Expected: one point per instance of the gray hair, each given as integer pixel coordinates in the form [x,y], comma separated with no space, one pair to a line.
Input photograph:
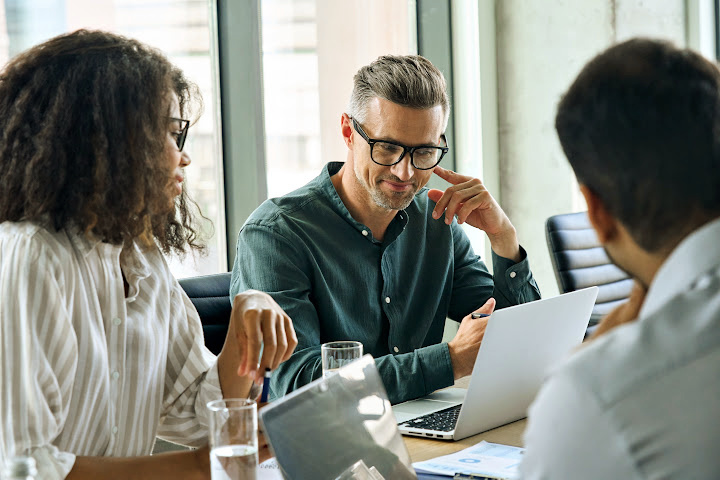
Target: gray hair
[409,80]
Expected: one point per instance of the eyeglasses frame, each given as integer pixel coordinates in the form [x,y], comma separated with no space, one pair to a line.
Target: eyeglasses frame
[180,142]
[406,149]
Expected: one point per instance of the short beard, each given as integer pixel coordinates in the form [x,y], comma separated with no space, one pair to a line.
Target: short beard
[396,200]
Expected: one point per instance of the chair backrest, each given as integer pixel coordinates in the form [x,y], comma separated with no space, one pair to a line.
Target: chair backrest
[211,296]
[579,261]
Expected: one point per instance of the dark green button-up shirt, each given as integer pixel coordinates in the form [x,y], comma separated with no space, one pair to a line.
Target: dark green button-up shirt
[337,282]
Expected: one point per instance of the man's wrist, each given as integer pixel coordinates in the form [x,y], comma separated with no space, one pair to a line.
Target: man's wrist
[506,245]
[456,359]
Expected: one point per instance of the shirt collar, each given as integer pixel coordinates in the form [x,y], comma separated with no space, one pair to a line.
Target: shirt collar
[132,260]
[83,242]
[134,263]
[696,254]
[328,189]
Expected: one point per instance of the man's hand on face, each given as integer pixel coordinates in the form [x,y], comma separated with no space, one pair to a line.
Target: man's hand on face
[464,347]
[469,200]
[625,313]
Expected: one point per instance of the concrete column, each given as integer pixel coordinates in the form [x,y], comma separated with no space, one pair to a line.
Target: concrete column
[658,19]
[541,46]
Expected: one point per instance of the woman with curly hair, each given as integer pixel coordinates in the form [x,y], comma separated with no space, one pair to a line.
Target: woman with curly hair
[100,349]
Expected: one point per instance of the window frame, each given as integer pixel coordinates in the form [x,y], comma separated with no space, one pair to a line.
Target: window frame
[243,125]
[241,98]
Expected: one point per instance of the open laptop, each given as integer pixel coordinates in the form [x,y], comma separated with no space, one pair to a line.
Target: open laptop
[520,344]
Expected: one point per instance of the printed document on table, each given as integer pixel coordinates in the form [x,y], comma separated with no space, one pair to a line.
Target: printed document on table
[269,470]
[485,458]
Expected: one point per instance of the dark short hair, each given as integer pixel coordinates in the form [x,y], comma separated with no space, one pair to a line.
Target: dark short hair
[641,128]
[83,128]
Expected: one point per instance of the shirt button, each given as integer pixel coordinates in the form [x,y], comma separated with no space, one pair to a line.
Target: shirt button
[513,274]
[387,299]
[114,430]
[703,282]
[115,375]
[116,321]
[365,232]
[396,349]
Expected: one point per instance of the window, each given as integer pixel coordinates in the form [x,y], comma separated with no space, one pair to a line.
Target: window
[314,46]
[185,31]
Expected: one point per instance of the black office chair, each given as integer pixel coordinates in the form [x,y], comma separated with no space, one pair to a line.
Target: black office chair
[579,261]
[211,296]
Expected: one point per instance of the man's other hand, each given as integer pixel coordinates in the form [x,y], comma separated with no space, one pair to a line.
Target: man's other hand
[464,347]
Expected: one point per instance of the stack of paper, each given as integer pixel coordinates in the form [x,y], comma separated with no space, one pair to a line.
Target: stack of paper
[489,459]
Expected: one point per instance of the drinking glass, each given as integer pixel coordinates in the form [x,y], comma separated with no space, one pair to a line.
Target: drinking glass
[233,439]
[338,354]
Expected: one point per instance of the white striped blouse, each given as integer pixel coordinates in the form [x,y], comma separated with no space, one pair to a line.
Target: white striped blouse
[85,370]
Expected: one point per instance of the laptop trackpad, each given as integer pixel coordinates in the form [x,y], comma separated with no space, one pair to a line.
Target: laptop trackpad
[431,403]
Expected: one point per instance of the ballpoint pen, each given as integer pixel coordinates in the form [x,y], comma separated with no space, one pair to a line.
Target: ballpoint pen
[266,386]
[479,315]
[475,476]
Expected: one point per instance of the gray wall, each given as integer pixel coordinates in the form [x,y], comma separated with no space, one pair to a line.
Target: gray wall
[541,46]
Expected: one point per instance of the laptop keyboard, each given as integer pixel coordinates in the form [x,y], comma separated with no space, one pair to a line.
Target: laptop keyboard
[441,421]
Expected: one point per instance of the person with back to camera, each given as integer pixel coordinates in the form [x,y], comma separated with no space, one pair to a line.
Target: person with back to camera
[100,349]
[640,126]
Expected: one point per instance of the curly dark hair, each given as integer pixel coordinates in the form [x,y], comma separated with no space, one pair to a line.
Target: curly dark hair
[83,128]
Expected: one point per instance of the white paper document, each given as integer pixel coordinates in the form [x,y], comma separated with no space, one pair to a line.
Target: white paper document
[492,459]
[269,470]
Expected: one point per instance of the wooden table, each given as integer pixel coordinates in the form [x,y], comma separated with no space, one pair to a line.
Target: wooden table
[426,448]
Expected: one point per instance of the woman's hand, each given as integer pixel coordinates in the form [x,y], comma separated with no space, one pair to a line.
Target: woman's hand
[257,323]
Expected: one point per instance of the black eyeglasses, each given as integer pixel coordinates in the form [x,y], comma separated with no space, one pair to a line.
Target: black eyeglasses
[182,134]
[387,153]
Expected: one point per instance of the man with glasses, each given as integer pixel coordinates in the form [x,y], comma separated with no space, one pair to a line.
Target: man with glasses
[364,252]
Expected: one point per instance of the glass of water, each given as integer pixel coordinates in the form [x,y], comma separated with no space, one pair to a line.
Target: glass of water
[338,354]
[233,439]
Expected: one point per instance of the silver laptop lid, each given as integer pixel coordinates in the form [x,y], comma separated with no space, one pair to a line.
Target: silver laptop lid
[520,346]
